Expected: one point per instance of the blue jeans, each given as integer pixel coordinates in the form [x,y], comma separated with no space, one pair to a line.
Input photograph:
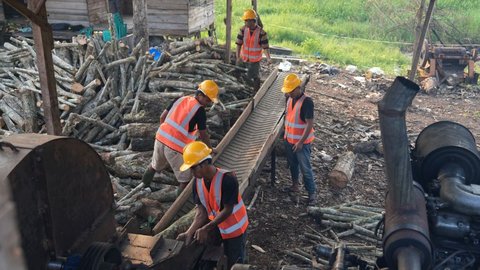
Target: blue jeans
[300,161]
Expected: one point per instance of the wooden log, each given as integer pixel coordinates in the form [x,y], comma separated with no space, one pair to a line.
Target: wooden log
[10,125]
[343,170]
[94,131]
[161,84]
[101,55]
[81,71]
[92,121]
[110,65]
[100,97]
[11,113]
[91,73]
[179,226]
[88,95]
[168,194]
[131,165]
[134,182]
[77,88]
[140,130]
[63,65]
[141,144]
[367,147]
[151,210]
[137,70]
[30,111]
[138,47]
[118,188]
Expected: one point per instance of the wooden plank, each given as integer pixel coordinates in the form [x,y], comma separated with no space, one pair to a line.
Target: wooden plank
[170,26]
[167,5]
[43,47]
[76,5]
[261,92]
[158,12]
[60,11]
[97,11]
[67,18]
[171,32]
[175,19]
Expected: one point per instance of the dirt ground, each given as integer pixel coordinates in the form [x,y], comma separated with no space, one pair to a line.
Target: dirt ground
[345,114]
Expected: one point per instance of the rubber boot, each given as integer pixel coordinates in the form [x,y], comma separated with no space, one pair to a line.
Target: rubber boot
[148,175]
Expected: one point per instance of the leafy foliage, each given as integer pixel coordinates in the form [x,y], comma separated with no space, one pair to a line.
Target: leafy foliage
[365,33]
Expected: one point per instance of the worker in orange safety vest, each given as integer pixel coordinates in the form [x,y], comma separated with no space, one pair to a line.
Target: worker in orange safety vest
[219,206]
[299,135]
[251,41]
[179,125]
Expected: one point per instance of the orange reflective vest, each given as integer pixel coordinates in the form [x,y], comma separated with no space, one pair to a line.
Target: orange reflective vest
[236,224]
[173,132]
[294,125]
[251,49]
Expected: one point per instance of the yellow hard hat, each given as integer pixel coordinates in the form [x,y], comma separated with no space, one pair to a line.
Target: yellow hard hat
[210,89]
[194,153]
[291,82]
[249,14]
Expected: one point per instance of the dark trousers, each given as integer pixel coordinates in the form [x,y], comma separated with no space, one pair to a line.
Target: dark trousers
[233,249]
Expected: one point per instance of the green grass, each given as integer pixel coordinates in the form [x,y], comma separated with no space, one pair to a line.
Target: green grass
[337,31]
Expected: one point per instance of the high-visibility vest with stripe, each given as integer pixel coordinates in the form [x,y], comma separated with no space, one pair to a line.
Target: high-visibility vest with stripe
[294,125]
[236,224]
[173,132]
[251,49]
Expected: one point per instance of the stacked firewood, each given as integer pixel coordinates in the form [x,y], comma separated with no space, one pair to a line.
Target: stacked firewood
[111,96]
[346,227]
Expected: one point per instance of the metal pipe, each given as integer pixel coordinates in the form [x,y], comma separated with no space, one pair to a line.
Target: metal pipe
[455,192]
[409,259]
[406,223]
[392,110]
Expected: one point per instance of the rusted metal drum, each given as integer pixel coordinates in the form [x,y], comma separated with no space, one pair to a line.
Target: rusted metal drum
[62,195]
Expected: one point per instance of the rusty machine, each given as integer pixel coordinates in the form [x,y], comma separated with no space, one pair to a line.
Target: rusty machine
[449,63]
[432,218]
[64,207]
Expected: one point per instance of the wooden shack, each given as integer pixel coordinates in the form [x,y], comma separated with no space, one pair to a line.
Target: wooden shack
[165,17]
[77,12]
[179,17]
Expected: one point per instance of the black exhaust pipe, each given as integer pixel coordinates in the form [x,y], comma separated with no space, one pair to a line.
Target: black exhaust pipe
[406,241]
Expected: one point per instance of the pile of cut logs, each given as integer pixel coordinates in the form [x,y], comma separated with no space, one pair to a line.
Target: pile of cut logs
[111,96]
[342,222]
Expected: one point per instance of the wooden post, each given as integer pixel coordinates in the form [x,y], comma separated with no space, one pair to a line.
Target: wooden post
[418,26]
[254,5]
[228,45]
[42,34]
[418,48]
[140,25]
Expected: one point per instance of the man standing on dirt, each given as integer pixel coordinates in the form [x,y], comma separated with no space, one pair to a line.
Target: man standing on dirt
[220,211]
[178,127]
[299,136]
[251,41]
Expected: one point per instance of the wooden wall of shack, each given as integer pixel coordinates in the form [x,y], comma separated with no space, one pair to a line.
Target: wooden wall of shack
[165,17]
[179,17]
[74,12]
